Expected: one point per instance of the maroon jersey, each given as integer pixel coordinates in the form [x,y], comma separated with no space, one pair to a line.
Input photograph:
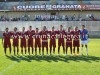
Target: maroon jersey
[15,36]
[30,34]
[52,35]
[30,37]
[69,36]
[37,36]
[37,39]
[61,34]
[23,39]
[76,35]
[6,36]
[53,39]
[44,35]
[23,35]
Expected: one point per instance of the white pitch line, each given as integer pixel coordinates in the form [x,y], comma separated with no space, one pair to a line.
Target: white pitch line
[9,67]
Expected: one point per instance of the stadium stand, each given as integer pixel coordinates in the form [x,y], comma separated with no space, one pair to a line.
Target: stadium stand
[8,11]
[43,11]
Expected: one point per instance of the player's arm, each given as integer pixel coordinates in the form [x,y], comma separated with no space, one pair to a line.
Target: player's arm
[57,32]
[80,37]
[48,32]
[19,34]
[2,40]
[40,34]
[87,33]
[88,36]
[26,35]
[33,36]
[72,34]
[65,33]
[11,33]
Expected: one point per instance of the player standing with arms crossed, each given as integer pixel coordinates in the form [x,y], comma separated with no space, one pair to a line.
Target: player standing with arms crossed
[37,41]
[23,40]
[84,38]
[61,35]
[76,40]
[30,34]
[52,40]
[69,36]
[6,40]
[44,36]
[15,36]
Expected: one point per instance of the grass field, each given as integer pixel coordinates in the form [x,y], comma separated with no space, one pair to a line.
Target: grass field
[52,65]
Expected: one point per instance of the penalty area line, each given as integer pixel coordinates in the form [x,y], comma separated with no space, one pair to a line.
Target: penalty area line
[9,67]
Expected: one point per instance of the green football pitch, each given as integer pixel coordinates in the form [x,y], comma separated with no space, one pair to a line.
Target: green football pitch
[52,65]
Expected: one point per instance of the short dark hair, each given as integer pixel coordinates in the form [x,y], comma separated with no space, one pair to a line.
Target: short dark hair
[30,26]
[15,28]
[53,27]
[45,26]
[61,25]
[37,28]
[69,27]
[24,27]
[7,28]
[76,27]
[83,25]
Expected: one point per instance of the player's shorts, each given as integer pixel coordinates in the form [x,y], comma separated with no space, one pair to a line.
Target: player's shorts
[76,43]
[52,43]
[30,43]
[7,44]
[84,42]
[23,43]
[45,44]
[15,43]
[60,42]
[37,44]
[69,44]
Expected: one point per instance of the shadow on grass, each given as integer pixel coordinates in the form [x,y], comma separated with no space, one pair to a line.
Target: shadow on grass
[54,58]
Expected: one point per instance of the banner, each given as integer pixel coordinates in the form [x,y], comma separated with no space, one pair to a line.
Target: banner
[55,7]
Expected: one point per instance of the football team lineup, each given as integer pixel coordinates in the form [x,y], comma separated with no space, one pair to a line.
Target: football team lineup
[32,40]
[49,37]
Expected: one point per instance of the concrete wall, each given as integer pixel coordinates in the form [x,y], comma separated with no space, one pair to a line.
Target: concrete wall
[92,26]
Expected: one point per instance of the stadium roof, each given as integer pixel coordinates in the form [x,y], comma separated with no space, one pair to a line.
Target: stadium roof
[20,0]
[41,0]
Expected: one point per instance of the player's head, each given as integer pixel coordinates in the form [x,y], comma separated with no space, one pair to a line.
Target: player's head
[15,29]
[7,29]
[30,27]
[23,29]
[53,28]
[69,28]
[61,27]
[44,27]
[83,26]
[37,29]
[76,28]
